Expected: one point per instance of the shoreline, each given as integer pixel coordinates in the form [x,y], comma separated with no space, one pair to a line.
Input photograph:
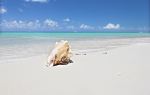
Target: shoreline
[29,48]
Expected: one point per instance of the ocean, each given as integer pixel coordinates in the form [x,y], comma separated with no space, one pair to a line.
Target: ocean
[26,44]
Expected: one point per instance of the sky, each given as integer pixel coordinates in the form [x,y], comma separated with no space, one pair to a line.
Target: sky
[75,15]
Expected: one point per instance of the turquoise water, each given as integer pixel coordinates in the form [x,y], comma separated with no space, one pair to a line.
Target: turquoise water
[12,38]
[73,35]
[21,45]
[9,38]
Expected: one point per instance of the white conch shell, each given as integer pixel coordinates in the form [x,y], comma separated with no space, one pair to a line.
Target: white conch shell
[61,54]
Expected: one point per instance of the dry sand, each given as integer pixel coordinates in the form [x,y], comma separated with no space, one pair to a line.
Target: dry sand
[122,71]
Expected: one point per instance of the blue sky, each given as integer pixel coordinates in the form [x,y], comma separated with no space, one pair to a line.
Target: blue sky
[75,15]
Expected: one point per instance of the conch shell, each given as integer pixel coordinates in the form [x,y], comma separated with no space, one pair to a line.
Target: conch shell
[61,54]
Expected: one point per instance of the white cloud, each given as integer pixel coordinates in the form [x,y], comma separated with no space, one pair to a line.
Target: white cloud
[20,24]
[84,26]
[40,1]
[67,20]
[2,10]
[112,26]
[10,24]
[29,25]
[50,23]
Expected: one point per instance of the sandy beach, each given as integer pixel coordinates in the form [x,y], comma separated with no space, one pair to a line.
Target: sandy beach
[120,71]
[74,47]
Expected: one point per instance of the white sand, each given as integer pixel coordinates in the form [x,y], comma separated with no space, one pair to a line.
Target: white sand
[122,71]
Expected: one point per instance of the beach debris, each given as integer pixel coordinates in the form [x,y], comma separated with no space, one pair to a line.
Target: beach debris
[84,54]
[61,54]
[80,54]
[105,52]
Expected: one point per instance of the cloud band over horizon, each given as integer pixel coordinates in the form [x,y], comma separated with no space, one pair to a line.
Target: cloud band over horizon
[52,25]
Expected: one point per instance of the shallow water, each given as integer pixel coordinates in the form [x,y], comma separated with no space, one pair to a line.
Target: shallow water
[21,45]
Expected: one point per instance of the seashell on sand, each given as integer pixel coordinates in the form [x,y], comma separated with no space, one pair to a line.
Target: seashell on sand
[61,54]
